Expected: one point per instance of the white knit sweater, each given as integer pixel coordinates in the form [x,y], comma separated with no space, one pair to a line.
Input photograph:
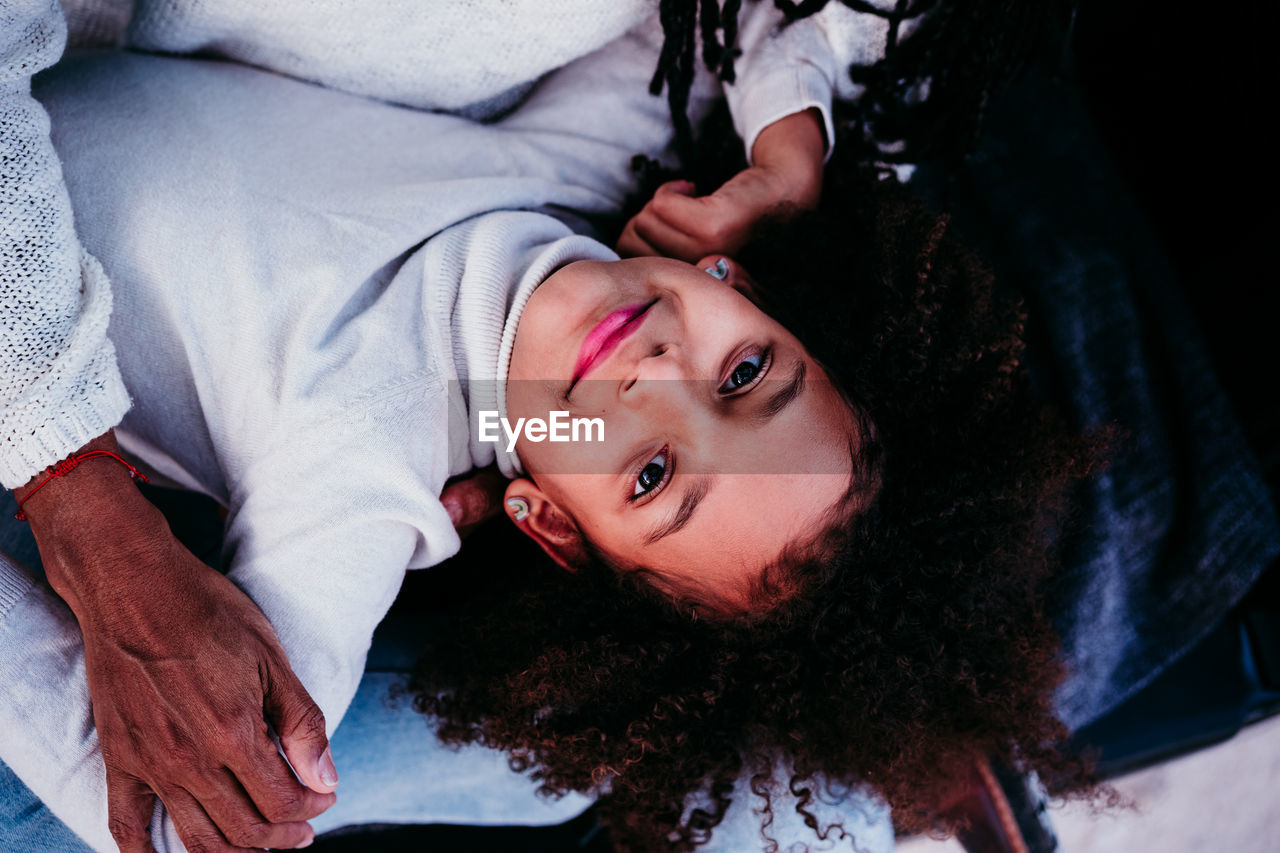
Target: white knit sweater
[306,282]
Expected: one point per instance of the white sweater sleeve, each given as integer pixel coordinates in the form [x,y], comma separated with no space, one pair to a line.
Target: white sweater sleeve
[787,69]
[59,384]
[323,527]
[324,576]
[781,71]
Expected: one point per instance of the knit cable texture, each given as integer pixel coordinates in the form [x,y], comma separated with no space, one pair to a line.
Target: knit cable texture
[59,384]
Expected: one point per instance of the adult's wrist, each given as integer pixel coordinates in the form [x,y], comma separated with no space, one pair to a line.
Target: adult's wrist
[92,525]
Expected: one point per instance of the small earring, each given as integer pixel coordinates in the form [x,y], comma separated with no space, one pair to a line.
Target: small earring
[519,508]
[720,270]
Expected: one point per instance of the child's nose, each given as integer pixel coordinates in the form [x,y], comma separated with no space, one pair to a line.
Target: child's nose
[662,371]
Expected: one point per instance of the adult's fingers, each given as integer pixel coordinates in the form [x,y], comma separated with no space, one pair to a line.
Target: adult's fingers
[300,724]
[194,827]
[271,785]
[241,823]
[130,805]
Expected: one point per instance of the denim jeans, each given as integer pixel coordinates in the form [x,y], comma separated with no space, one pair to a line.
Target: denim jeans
[27,826]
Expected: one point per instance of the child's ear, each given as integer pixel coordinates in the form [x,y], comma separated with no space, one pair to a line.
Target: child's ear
[732,273]
[541,520]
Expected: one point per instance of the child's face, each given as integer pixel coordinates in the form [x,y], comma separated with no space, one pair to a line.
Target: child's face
[724,441]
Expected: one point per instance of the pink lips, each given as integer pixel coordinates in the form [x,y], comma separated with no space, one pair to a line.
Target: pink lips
[607,335]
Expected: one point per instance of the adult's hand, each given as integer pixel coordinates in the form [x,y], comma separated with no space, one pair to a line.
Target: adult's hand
[185,674]
[474,498]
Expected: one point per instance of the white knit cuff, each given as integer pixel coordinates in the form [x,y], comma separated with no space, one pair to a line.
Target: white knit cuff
[100,403]
[63,414]
[758,103]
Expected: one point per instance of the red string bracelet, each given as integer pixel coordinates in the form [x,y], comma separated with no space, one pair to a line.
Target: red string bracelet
[66,466]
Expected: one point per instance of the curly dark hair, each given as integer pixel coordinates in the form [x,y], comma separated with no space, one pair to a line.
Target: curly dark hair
[912,644]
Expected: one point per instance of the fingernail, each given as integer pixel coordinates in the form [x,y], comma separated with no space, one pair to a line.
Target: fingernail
[328,773]
[306,843]
[455,512]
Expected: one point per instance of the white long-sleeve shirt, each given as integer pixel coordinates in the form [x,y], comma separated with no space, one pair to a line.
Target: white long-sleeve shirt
[58,382]
[263,259]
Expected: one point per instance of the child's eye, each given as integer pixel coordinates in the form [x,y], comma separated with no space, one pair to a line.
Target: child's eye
[652,476]
[745,372]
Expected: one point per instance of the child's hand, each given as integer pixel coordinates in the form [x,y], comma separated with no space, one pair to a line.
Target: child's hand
[474,498]
[788,157]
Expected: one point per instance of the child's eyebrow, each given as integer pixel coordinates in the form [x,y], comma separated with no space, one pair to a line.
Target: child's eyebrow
[678,519]
[784,396]
[781,398]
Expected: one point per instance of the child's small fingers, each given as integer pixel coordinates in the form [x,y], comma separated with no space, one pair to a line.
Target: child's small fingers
[710,228]
[679,210]
[680,187]
[669,241]
[631,245]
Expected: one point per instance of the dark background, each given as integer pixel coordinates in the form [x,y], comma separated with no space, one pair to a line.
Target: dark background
[1184,97]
